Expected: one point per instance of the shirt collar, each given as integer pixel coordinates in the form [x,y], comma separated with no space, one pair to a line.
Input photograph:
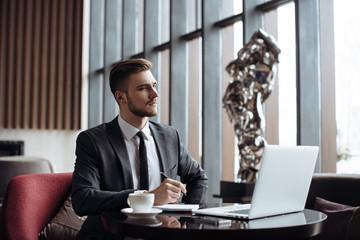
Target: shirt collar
[130,131]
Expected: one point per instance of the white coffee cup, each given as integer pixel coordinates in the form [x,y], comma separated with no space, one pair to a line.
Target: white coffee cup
[141,202]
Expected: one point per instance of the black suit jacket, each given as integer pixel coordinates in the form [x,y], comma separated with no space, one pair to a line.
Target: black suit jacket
[102,177]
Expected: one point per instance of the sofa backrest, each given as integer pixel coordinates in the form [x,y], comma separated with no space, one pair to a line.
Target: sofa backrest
[12,166]
[339,188]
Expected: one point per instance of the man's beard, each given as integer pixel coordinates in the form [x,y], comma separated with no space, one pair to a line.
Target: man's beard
[140,112]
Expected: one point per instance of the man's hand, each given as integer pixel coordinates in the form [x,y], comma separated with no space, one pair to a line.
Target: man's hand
[168,192]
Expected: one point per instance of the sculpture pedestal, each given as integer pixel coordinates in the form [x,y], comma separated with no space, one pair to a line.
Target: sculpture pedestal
[233,192]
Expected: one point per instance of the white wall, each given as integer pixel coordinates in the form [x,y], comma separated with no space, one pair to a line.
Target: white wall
[56,146]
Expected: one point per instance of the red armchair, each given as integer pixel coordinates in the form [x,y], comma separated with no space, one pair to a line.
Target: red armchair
[30,202]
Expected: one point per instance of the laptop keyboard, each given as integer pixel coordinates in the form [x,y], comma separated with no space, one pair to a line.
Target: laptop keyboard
[241,211]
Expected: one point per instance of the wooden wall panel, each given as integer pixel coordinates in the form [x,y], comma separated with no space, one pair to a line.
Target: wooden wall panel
[3,26]
[35,56]
[43,67]
[78,36]
[9,60]
[50,90]
[40,63]
[27,63]
[18,62]
[61,63]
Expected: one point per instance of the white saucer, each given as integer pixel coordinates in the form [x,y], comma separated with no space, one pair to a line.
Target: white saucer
[129,212]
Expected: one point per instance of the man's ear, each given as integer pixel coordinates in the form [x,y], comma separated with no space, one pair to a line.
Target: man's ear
[120,97]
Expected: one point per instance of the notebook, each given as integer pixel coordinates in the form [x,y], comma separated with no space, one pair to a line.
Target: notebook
[281,187]
[177,207]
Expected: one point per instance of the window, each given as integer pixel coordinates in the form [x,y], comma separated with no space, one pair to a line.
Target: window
[287,75]
[347,70]
[190,43]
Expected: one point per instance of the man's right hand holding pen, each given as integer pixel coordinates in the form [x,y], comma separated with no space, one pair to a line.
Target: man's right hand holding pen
[168,191]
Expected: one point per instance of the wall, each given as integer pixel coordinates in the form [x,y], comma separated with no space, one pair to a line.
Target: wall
[56,146]
[40,64]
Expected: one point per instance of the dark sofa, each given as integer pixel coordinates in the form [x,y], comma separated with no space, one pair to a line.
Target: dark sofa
[339,188]
[337,195]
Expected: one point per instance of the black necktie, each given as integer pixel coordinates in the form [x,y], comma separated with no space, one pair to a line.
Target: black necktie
[144,174]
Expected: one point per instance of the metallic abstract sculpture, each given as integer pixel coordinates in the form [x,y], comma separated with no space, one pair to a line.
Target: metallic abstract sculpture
[253,74]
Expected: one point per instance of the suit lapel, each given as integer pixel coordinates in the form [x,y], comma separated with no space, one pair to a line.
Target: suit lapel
[159,139]
[117,141]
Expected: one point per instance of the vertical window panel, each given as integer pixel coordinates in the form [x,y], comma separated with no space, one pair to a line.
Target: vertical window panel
[112,38]
[272,103]
[192,26]
[130,28]
[194,15]
[178,68]
[287,75]
[228,142]
[195,103]
[347,70]
[327,89]
[212,95]
[165,87]
[231,7]
[164,21]
[232,42]
[140,28]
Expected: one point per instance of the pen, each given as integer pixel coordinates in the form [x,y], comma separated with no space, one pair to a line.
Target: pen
[165,177]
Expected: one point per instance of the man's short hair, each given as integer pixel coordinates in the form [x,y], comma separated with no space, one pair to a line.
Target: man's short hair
[120,73]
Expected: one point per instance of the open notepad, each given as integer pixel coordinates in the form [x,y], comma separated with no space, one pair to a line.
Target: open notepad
[172,207]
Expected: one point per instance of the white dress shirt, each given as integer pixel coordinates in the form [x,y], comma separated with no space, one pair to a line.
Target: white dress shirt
[132,145]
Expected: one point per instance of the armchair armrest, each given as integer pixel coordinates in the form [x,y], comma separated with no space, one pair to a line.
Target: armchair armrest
[31,201]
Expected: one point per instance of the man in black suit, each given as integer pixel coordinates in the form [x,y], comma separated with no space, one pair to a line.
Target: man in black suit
[107,164]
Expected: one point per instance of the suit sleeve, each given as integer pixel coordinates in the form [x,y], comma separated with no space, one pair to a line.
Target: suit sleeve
[87,196]
[192,175]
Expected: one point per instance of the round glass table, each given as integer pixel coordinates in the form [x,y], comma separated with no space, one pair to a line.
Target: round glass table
[176,225]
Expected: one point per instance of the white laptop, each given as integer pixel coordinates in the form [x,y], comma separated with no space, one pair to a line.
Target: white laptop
[281,187]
